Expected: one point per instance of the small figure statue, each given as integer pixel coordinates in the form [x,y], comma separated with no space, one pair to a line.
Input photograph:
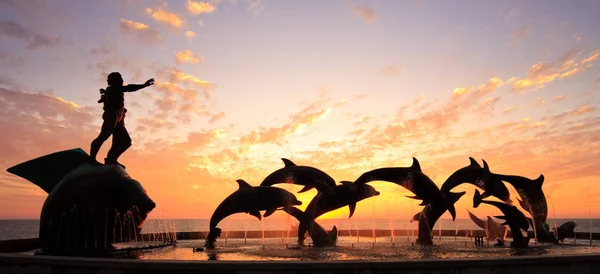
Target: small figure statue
[114,118]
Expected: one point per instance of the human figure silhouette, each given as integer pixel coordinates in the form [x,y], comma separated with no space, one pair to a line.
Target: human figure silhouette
[114,118]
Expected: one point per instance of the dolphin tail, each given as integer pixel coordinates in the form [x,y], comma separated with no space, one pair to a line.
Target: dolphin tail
[48,170]
[352,208]
[333,235]
[477,199]
[306,188]
[450,199]
[477,221]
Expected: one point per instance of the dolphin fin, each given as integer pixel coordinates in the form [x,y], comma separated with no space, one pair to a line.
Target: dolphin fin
[287,162]
[485,165]
[450,199]
[333,235]
[473,162]
[48,170]
[352,207]
[269,212]
[256,214]
[243,184]
[415,165]
[539,181]
[416,217]
[414,197]
[306,188]
[477,199]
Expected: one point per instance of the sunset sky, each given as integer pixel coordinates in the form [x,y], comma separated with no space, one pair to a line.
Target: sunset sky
[344,86]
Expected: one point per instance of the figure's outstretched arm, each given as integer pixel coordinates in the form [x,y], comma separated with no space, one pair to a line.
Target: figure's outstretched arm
[136,87]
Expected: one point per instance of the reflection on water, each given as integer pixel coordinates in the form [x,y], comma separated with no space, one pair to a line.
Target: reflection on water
[349,249]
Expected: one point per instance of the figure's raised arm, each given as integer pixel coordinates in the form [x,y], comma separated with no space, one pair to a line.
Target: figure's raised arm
[136,87]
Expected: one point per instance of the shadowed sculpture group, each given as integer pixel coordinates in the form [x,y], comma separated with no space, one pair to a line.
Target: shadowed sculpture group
[436,201]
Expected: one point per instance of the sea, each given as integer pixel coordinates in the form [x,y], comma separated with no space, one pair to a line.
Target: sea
[24,229]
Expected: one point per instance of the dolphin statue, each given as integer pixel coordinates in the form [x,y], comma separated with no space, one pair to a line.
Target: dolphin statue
[532,197]
[515,219]
[344,194]
[251,200]
[564,230]
[413,179]
[473,174]
[480,177]
[494,230]
[85,200]
[320,237]
[429,216]
[307,176]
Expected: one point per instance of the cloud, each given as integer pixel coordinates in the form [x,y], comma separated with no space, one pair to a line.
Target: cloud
[392,70]
[13,30]
[508,110]
[40,41]
[142,31]
[190,34]
[216,117]
[365,12]
[544,73]
[519,33]
[310,114]
[10,60]
[255,6]
[166,17]
[35,40]
[187,56]
[199,7]
[539,101]
[177,76]
[558,98]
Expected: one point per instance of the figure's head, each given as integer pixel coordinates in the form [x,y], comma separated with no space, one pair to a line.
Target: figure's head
[114,79]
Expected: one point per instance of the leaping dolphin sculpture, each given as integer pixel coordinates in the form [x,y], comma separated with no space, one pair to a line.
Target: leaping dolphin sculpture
[532,200]
[251,200]
[413,179]
[307,176]
[345,194]
[320,237]
[429,216]
[480,177]
[493,229]
[515,219]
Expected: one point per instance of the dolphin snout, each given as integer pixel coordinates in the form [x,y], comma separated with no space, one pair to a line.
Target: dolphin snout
[297,203]
[376,193]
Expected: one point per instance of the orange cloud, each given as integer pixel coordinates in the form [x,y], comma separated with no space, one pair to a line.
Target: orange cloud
[511,109]
[187,56]
[190,34]
[216,117]
[365,12]
[140,30]
[199,7]
[166,17]
[543,73]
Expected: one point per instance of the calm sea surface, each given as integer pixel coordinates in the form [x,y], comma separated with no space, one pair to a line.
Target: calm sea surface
[20,229]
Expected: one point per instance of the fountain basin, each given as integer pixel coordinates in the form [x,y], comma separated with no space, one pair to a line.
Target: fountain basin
[582,263]
[360,254]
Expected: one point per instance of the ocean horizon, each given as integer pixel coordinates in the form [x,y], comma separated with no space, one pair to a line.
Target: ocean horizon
[29,228]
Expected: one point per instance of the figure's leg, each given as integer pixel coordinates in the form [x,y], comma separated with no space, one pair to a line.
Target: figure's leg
[108,126]
[121,142]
